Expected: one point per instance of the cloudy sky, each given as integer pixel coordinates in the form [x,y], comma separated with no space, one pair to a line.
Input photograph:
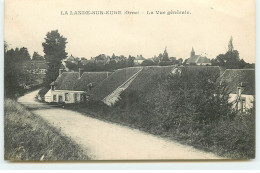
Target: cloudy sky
[208,28]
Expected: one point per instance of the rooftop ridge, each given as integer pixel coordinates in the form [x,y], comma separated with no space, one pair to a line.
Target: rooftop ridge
[242,69]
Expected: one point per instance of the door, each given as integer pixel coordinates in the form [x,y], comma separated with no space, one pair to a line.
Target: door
[60,99]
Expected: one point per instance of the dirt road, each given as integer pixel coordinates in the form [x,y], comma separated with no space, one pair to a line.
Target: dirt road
[107,141]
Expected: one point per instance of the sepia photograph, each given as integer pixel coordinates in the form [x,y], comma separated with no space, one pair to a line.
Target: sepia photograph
[139,80]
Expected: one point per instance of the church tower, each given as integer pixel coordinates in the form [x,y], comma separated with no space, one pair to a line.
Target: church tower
[192,53]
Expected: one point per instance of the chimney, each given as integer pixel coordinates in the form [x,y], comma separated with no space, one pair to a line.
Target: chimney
[60,71]
[80,72]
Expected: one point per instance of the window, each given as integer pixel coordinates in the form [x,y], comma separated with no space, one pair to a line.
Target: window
[66,96]
[82,97]
[54,98]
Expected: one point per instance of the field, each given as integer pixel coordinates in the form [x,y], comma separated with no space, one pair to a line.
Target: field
[28,137]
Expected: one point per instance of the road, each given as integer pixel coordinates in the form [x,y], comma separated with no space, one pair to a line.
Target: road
[108,141]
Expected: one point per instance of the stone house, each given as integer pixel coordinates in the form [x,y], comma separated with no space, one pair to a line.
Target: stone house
[71,87]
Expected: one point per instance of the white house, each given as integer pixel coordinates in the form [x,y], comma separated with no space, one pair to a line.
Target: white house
[71,87]
[240,84]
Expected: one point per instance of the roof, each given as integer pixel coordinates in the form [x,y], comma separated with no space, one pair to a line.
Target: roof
[71,80]
[111,83]
[198,59]
[234,77]
[71,58]
[149,76]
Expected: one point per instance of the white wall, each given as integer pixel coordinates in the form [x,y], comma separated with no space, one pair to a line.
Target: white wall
[71,98]
[249,99]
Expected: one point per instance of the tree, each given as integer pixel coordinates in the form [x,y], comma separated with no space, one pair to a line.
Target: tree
[54,49]
[37,57]
[147,62]
[180,60]
[12,72]
[24,54]
[230,59]
[165,56]
[230,45]
[130,61]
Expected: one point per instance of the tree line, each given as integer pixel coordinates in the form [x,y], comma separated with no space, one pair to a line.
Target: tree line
[54,48]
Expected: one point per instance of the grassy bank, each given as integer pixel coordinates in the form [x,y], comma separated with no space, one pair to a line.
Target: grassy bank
[28,137]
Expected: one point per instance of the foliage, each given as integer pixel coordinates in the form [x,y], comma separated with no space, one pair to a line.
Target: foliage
[230,59]
[165,56]
[54,49]
[14,75]
[166,63]
[29,137]
[72,66]
[147,62]
[37,57]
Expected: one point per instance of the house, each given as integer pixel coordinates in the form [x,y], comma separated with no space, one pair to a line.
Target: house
[72,59]
[139,59]
[240,84]
[71,87]
[198,59]
[35,66]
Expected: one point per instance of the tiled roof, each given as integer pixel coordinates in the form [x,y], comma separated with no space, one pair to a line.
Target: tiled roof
[234,77]
[71,80]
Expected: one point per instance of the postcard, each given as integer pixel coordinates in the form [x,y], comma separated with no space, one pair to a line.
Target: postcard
[129,80]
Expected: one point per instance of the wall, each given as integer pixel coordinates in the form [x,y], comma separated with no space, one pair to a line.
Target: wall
[249,100]
[70,95]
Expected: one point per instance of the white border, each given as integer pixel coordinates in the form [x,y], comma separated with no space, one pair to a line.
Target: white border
[227,165]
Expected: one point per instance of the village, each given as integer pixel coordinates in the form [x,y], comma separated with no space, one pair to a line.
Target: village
[185,99]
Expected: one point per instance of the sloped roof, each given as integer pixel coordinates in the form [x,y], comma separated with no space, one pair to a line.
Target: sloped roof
[198,59]
[203,59]
[111,83]
[148,75]
[71,80]
[233,78]
[193,59]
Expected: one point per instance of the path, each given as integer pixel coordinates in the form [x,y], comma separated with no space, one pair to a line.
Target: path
[108,141]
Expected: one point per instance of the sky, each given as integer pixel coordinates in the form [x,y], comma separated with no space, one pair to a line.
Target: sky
[208,28]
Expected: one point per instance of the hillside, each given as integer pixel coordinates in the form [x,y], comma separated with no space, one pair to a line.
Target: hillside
[29,137]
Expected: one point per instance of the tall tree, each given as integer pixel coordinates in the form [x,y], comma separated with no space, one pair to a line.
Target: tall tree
[54,49]
[130,61]
[36,56]
[12,70]
[24,54]
[230,59]
[165,56]
[230,45]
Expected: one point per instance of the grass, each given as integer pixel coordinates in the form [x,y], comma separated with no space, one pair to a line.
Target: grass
[27,137]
